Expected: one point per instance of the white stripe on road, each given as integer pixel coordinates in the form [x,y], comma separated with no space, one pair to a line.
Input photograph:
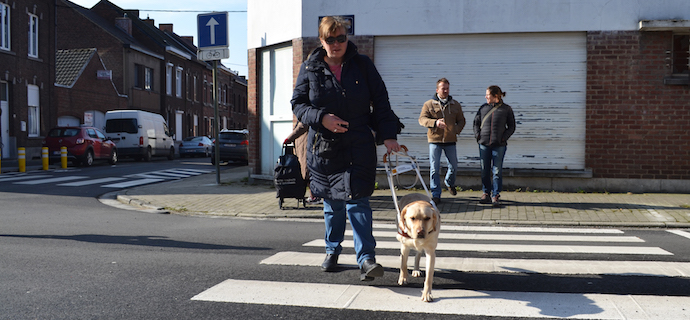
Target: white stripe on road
[90,182]
[189,171]
[680,233]
[51,180]
[449,301]
[516,237]
[513,229]
[515,248]
[24,177]
[588,267]
[132,183]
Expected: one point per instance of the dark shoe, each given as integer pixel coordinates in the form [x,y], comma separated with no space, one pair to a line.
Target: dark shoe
[485,199]
[495,202]
[436,200]
[452,190]
[330,263]
[370,270]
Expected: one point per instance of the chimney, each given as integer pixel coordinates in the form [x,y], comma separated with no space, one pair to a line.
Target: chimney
[188,39]
[149,21]
[166,27]
[124,23]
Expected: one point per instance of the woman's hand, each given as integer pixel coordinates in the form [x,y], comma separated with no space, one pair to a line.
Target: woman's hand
[391,145]
[333,123]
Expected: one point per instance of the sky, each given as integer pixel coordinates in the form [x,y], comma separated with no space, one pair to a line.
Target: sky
[183,13]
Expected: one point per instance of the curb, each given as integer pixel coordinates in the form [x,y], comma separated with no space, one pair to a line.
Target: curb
[138,203]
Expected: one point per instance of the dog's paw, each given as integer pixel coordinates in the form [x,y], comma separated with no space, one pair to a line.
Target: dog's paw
[402,280]
[426,297]
[416,273]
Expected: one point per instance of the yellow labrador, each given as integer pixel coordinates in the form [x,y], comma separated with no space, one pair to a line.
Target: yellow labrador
[418,226]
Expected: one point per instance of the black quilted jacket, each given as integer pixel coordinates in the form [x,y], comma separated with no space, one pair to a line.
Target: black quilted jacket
[343,166]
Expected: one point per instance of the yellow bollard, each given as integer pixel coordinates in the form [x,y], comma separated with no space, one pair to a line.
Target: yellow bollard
[44,157]
[63,157]
[21,158]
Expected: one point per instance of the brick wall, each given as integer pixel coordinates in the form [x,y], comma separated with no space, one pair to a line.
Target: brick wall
[637,127]
[253,116]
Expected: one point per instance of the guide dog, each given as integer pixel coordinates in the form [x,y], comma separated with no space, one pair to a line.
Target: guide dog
[419,223]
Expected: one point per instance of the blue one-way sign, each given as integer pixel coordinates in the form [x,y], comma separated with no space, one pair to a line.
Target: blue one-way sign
[212,29]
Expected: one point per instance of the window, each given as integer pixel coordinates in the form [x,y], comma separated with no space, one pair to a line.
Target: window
[149,79]
[143,77]
[681,53]
[178,82]
[121,125]
[168,79]
[34,123]
[4,26]
[33,36]
[194,90]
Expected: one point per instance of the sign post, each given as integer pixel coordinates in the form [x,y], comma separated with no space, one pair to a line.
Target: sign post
[212,31]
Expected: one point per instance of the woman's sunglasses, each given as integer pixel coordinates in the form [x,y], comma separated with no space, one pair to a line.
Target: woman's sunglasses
[341,39]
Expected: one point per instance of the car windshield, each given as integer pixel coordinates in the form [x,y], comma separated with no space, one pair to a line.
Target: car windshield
[194,139]
[232,136]
[121,125]
[64,132]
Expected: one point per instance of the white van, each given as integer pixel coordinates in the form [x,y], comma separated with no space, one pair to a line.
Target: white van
[139,134]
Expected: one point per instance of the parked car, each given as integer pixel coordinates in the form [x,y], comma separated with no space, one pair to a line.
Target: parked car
[195,146]
[139,134]
[84,145]
[233,145]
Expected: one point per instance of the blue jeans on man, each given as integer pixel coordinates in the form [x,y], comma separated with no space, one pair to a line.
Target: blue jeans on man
[359,212]
[451,153]
[491,159]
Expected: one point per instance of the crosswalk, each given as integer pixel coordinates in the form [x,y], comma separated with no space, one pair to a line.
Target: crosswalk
[611,253]
[63,179]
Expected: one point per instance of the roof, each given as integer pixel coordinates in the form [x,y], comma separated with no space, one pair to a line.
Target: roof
[69,65]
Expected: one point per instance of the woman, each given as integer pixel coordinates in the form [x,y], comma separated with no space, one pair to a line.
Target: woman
[337,93]
[493,126]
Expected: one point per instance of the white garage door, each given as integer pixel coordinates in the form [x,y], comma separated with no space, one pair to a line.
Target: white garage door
[543,74]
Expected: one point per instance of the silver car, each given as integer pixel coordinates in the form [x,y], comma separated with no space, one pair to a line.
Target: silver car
[195,146]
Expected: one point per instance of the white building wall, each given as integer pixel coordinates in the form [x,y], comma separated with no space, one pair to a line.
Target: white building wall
[275,21]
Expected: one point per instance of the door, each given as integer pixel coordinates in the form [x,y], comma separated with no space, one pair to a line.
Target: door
[4,121]
[276,110]
[178,126]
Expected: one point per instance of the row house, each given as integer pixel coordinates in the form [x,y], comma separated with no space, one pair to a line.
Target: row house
[27,74]
[152,68]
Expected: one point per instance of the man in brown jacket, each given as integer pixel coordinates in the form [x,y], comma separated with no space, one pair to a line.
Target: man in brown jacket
[445,120]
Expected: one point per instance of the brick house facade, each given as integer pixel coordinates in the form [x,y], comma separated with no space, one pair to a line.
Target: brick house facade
[79,90]
[27,75]
[636,124]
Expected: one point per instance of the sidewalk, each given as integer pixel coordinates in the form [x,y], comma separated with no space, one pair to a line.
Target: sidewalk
[236,196]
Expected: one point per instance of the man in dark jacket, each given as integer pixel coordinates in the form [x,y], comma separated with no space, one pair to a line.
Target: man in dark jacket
[337,94]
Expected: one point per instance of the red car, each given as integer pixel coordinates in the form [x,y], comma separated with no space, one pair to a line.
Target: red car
[84,145]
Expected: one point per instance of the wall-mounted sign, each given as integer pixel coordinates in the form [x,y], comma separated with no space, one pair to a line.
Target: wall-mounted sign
[104,74]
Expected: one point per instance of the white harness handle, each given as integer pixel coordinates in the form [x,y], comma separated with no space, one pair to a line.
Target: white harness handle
[399,169]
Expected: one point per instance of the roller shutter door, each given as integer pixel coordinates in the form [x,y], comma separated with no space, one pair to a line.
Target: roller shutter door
[543,74]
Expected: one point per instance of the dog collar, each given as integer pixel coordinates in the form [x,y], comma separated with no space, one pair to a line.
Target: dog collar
[404,234]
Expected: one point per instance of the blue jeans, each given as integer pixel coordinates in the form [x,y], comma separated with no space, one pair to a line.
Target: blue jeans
[491,159]
[360,215]
[435,167]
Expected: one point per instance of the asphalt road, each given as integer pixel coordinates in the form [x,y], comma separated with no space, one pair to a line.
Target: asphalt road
[66,255]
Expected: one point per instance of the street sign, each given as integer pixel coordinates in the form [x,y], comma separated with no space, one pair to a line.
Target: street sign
[213,54]
[212,30]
